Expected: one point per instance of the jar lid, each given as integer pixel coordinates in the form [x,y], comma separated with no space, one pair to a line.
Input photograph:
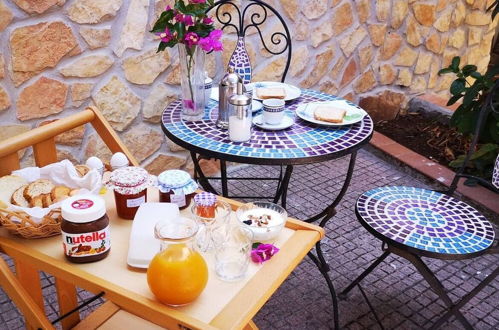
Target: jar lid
[178,181]
[129,180]
[205,199]
[83,208]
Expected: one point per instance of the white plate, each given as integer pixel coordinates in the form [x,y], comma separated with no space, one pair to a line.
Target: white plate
[255,105]
[292,92]
[143,246]
[286,122]
[353,114]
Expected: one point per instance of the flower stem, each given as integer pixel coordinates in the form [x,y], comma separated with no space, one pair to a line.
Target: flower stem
[189,66]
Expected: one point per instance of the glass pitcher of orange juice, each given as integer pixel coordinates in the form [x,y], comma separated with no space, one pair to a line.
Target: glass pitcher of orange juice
[177,274]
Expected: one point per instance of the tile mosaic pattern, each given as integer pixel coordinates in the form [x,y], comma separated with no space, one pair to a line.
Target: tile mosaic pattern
[495,175]
[300,141]
[426,220]
[240,61]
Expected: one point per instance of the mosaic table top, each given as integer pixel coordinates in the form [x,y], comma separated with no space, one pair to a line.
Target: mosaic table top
[425,220]
[301,143]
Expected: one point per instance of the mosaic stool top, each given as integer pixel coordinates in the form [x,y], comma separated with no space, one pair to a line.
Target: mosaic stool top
[302,143]
[428,222]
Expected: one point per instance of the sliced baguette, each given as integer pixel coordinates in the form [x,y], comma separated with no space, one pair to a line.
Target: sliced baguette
[8,185]
[271,92]
[18,197]
[46,200]
[82,169]
[37,188]
[59,191]
[329,114]
[36,201]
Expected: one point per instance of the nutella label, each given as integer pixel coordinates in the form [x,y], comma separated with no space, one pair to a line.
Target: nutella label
[87,244]
[82,204]
[135,202]
[178,199]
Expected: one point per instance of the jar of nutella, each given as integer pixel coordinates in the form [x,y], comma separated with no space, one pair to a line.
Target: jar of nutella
[85,229]
[130,189]
[177,187]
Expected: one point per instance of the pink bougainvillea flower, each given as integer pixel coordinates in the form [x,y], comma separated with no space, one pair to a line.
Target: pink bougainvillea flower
[212,41]
[207,20]
[197,1]
[188,20]
[179,17]
[191,39]
[168,8]
[165,36]
[263,253]
[189,104]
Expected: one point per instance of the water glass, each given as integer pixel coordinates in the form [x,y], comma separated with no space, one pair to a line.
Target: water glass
[232,253]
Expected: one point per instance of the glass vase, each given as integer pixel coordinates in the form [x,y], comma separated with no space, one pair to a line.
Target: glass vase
[192,81]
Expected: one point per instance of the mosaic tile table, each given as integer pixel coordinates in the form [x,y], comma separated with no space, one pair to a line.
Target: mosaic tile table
[302,143]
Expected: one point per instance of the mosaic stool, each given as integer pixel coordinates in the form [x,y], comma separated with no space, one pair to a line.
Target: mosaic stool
[414,222]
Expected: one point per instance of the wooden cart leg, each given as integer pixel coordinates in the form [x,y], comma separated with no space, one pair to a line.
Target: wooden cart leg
[30,281]
[66,296]
[250,326]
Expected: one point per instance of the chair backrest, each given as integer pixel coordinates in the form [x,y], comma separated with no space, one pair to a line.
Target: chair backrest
[485,110]
[254,14]
[43,143]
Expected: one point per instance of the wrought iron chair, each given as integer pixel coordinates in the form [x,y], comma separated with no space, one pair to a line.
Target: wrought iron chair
[253,15]
[413,222]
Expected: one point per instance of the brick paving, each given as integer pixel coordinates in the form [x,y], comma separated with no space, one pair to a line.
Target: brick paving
[400,296]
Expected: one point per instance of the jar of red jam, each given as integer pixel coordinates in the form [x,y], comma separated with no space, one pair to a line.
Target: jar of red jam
[206,204]
[130,189]
[177,187]
[85,229]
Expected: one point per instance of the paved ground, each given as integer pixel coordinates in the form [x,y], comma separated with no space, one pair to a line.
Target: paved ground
[398,293]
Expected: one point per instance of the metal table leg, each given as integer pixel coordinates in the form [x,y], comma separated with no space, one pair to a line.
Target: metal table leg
[223,172]
[282,192]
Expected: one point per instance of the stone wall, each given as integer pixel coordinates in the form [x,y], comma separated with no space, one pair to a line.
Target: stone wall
[58,56]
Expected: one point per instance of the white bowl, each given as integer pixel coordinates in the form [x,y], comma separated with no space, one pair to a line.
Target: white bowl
[278,216]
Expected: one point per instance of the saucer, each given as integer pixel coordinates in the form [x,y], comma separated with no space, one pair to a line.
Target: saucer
[286,122]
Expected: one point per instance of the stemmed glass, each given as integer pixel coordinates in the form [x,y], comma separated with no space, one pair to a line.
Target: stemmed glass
[208,225]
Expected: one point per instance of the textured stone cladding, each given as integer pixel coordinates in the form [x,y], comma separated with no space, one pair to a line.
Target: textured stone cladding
[58,56]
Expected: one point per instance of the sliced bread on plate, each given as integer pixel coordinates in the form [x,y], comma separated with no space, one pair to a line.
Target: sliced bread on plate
[329,114]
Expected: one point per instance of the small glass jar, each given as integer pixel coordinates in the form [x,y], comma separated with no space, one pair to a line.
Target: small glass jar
[212,218]
[178,273]
[85,229]
[177,187]
[130,189]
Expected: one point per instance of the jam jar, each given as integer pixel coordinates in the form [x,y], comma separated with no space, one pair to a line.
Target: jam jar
[177,187]
[85,229]
[130,189]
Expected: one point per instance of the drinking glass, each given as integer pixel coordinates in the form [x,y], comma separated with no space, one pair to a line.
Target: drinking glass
[232,253]
[208,225]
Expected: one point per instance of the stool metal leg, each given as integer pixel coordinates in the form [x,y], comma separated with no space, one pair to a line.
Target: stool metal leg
[434,283]
[366,272]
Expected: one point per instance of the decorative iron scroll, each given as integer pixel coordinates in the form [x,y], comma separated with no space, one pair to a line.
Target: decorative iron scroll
[258,13]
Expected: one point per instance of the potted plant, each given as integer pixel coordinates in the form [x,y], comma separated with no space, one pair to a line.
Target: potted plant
[188,26]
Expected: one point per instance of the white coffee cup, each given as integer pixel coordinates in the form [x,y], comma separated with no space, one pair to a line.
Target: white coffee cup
[273,111]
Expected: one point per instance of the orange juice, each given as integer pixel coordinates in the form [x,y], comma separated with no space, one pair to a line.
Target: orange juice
[177,275]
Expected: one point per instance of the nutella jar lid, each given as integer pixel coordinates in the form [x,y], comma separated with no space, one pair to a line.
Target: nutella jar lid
[178,181]
[129,180]
[83,208]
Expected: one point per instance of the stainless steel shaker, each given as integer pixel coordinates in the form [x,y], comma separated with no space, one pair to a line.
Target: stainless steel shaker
[227,87]
[240,116]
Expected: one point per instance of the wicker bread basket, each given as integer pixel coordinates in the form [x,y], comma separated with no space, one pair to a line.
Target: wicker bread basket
[21,224]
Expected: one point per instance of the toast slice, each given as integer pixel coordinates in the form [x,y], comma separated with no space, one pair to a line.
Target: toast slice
[18,197]
[8,185]
[329,114]
[271,93]
[59,191]
[37,188]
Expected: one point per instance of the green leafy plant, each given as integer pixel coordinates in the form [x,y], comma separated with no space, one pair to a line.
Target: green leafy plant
[473,87]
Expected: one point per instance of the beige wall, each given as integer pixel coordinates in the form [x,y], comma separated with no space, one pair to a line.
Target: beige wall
[58,56]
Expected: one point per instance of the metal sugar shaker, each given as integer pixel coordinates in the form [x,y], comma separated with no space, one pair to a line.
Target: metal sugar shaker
[227,87]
